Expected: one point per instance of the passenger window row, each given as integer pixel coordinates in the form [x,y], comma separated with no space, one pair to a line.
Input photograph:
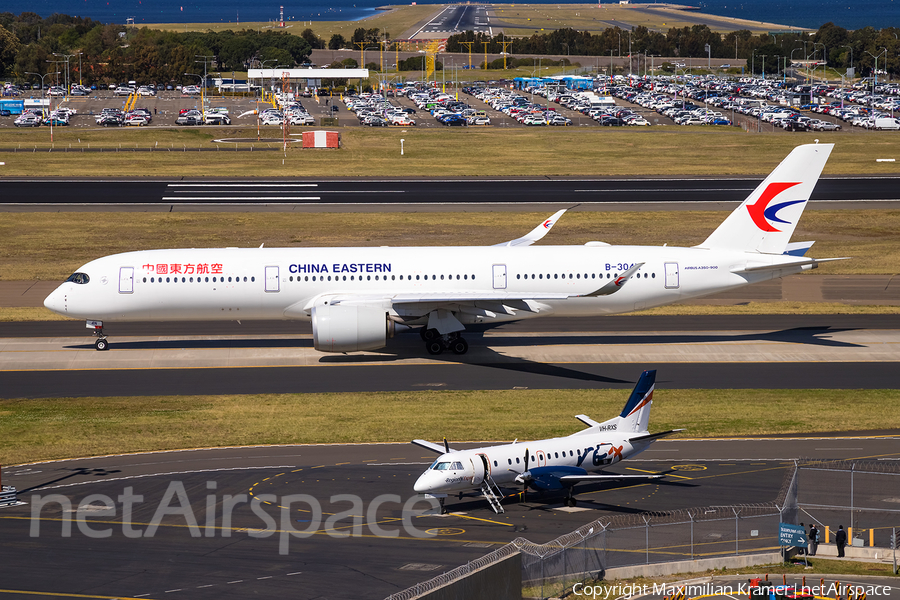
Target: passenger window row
[578,276]
[518,460]
[200,280]
[383,277]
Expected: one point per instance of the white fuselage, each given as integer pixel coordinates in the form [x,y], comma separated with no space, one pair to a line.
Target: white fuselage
[285,283]
[466,469]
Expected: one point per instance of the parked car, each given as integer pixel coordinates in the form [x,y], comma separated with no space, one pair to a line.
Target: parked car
[217,119]
[189,119]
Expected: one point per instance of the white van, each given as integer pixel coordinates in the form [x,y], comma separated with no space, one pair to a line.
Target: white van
[887,123]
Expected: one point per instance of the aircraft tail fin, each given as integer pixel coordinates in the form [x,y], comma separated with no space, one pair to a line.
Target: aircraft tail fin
[765,221]
[635,417]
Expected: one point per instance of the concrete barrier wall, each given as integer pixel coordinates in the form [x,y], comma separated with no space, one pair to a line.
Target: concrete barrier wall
[692,566]
[499,581]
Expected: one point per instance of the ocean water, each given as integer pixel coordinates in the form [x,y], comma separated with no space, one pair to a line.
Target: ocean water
[853,14]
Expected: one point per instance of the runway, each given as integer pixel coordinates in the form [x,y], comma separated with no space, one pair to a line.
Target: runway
[188,554]
[597,194]
[790,352]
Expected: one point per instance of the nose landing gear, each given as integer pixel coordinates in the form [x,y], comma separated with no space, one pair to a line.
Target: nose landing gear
[101,342]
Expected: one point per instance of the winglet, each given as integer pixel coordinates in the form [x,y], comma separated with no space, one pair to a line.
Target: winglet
[616,284]
[537,233]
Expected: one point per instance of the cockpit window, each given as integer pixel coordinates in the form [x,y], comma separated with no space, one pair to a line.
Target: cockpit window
[447,466]
[79,278]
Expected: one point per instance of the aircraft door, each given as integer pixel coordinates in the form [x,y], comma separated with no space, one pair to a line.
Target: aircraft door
[479,468]
[272,281]
[126,280]
[499,277]
[672,281]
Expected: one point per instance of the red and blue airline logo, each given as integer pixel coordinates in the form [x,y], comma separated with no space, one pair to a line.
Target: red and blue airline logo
[763,214]
[548,223]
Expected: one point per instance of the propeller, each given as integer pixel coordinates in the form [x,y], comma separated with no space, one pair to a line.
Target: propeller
[523,478]
[446,446]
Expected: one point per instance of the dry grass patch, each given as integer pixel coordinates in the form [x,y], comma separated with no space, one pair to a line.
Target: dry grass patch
[447,152]
[46,249]
[38,429]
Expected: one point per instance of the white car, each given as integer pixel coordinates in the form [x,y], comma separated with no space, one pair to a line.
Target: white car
[145,91]
[272,119]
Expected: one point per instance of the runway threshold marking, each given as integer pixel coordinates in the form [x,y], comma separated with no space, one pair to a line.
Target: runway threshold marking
[65,595]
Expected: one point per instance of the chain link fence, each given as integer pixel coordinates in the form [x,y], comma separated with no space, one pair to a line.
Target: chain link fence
[829,493]
[863,496]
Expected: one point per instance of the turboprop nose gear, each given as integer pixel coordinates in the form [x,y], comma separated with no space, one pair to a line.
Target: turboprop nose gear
[97,326]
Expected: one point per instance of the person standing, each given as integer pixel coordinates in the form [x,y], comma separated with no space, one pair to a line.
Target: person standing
[840,540]
[813,539]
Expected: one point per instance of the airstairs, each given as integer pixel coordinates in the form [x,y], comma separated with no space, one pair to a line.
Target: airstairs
[492,494]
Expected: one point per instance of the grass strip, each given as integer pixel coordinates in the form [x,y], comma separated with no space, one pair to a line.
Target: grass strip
[45,249]
[51,428]
[494,151]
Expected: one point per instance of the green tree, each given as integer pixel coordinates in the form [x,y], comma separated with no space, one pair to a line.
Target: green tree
[336,42]
[9,48]
[312,39]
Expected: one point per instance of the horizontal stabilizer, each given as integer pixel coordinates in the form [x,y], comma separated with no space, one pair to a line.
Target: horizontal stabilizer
[438,448]
[587,420]
[798,248]
[654,436]
[537,233]
[812,263]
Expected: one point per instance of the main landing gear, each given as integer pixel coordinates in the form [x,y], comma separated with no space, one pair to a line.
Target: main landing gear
[435,343]
[570,499]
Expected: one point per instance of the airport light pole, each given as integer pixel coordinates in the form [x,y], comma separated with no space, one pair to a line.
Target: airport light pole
[42,97]
[875,72]
[66,57]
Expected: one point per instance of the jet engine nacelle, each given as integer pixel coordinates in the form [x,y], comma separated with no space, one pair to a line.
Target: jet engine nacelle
[349,328]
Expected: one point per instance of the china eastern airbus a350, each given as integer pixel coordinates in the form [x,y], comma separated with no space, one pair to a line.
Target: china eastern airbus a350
[553,464]
[357,298]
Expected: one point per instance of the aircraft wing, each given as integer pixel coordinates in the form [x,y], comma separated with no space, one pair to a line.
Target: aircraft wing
[537,233]
[433,447]
[572,479]
[616,284]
